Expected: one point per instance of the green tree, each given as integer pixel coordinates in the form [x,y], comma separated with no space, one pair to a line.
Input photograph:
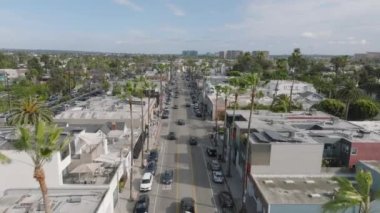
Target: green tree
[40,142]
[227,91]
[238,85]
[116,89]
[30,112]
[363,109]
[162,69]
[219,89]
[349,196]
[140,93]
[339,63]
[245,63]
[349,93]
[331,106]
[149,88]
[281,103]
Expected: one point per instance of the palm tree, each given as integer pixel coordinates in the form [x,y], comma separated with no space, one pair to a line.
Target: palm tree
[251,80]
[4,159]
[227,91]
[40,142]
[30,112]
[149,86]
[281,103]
[162,68]
[349,93]
[238,86]
[349,196]
[139,92]
[129,91]
[218,89]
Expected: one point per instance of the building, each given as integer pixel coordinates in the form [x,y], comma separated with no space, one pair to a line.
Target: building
[65,200]
[264,53]
[222,54]
[190,53]
[368,56]
[278,87]
[233,54]
[11,74]
[308,99]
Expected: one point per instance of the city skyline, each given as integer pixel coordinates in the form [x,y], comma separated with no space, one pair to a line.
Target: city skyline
[167,26]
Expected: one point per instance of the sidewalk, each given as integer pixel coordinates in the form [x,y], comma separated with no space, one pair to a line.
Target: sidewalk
[235,187]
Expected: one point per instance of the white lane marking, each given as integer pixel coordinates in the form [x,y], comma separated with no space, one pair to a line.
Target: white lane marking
[162,153]
[209,181]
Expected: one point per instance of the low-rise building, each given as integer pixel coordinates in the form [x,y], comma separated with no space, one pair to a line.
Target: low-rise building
[278,87]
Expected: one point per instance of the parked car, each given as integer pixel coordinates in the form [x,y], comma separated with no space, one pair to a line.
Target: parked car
[167,177]
[151,167]
[153,155]
[142,204]
[146,182]
[198,114]
[181,122]
[225,199]
[187,205]
[187,105]
[217,177]
[193,141]
[172,136]
[165,115]
[211,152]
[175,107]
[215,166]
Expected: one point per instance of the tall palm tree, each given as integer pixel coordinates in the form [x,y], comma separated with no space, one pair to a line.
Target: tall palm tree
[238,86]
[349,196]
[349,93]
[218,89]
[149,86]
[40,142]
[129,92]
[227,91]
[162,68]
[30,112]
[251,80]
[139,92]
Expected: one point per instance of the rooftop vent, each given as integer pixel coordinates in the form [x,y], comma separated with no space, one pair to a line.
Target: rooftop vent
[309,181]
[315,195]
[268,181]
[332,182]
[76,199]
[289,181]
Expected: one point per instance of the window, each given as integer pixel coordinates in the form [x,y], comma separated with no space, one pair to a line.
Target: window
[354,151]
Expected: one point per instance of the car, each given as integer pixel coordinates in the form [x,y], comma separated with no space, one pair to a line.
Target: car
[167,177]
[175,107]
[211,152]
[198,114]
[187,205]
[146,182]
[153,155]
[187,105]
[196,106]
[225,199]
[215,166]
[217,177]
[181,122]
[151,167]
[193,141]
[165,115]
[172,136]
[142,204]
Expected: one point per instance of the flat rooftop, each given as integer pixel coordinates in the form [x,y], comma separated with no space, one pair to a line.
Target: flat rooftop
[296,190]
[63,200]
[373,164]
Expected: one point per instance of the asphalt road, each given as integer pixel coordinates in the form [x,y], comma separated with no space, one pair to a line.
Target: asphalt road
[191,177]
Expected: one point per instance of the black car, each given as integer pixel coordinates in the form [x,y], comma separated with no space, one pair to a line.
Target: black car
[167,177]
[193,141]
[153,156]
[165,115]
[225,199]
[151,167]
[175,107]
[181,122]
[187,105]
[211,152]
[142,204]
[187,205]
[198,113]
[171,136]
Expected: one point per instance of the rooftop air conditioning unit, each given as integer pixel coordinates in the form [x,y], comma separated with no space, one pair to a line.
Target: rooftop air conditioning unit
[332,182]
[76,199]
[268,181]
[289,181]
[309,181]
[315,195]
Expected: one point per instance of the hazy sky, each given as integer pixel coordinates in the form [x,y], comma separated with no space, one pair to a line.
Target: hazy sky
[170,26]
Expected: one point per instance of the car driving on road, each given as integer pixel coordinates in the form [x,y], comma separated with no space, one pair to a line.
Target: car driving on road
[217,177]
[172,136]
[167,177]
[211,152]
[193,141]
[187,205]
[142,204]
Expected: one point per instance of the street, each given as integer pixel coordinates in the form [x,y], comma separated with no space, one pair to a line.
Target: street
[191,177]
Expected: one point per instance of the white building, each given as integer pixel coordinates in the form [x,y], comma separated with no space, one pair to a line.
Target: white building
[284,87]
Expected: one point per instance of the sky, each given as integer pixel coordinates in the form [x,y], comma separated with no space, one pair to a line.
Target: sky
[170,26]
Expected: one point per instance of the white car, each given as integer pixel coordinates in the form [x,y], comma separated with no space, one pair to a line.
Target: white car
[146,182]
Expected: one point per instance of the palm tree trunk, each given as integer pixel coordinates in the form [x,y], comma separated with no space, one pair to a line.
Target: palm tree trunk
[39,175]
[147,148]
[131,151]
[291,94]
[225,139]
[161,91]
[247,157]
[216,119]
[347,109]
[142,133]
[230,138]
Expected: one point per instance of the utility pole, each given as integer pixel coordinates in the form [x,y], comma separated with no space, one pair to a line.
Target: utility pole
[8,91]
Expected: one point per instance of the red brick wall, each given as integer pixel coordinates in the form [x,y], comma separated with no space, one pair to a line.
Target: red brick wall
[365,151]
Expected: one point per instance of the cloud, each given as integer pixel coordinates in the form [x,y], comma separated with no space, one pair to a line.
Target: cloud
[175,10]
[315,35]
[130,4]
